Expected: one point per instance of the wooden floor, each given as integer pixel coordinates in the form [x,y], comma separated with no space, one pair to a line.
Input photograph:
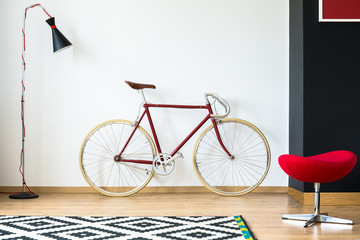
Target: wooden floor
[262,211]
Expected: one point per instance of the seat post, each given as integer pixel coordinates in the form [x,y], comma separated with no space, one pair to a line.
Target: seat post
[317,199]
[142,95]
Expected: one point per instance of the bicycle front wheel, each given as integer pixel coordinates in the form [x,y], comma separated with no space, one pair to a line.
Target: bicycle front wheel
[111,176]
[239,173]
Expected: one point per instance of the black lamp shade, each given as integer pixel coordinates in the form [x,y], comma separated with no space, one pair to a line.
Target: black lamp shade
[60,42]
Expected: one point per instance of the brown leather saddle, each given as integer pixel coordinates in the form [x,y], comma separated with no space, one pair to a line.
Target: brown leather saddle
[139,86]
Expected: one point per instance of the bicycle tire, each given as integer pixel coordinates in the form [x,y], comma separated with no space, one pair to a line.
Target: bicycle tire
[224,175]
[116,178]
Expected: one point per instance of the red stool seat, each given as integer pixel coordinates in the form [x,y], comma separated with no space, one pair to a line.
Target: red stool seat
[322,168]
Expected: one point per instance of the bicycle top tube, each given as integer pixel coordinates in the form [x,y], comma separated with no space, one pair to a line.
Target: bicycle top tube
[148,105]
[216,97]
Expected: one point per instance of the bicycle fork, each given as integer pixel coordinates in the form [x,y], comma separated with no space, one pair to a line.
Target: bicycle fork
[219,138]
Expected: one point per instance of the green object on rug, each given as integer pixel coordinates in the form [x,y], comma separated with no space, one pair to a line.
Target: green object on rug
[124,228]
[245,230]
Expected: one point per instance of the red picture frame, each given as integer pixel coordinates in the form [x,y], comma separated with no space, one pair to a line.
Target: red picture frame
[339,10]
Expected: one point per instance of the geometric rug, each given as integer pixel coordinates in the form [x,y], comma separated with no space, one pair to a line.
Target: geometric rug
[124,228]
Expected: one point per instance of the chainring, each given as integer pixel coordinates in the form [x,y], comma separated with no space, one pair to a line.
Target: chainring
[159,166]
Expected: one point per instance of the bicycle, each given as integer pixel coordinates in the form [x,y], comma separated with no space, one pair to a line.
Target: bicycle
[231,157]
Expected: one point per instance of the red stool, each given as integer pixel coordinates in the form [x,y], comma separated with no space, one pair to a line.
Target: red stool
[323,168]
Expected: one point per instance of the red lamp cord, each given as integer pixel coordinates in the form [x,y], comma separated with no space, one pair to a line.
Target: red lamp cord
[23,88]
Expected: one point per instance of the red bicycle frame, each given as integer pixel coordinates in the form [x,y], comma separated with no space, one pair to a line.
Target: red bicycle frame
[147,112]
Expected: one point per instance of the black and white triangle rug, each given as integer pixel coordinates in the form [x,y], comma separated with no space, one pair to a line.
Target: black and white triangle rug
[126,228]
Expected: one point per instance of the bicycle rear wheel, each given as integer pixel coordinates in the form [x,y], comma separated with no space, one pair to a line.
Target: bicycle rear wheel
[103,172]
[236,175]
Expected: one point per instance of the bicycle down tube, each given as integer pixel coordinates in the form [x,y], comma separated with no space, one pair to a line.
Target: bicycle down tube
[146,106]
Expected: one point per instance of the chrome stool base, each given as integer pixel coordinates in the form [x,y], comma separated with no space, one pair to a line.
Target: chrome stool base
[317,216]
[312,219]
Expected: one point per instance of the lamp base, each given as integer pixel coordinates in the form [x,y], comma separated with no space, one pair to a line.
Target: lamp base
[24,195]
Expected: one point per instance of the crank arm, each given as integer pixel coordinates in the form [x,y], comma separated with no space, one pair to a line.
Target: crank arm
[178,155]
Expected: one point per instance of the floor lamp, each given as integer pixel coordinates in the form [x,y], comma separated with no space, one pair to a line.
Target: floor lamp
[59,43]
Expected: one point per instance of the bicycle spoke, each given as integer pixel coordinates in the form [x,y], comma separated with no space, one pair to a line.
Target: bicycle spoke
[106,143]
[215,145]
[97,162]
[96,143]
[239,175]
[96,149]
[209,163]
[110,138]
[93,154]
[120,137]
[224,136]
[112,167]
[102,175]
[250,147]
[115,141]
[247,170]
[252,164]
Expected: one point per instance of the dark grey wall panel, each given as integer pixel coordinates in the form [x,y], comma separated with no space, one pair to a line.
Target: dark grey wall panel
[324,89]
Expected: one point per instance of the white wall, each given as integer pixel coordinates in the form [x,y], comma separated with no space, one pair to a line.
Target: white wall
[237,48]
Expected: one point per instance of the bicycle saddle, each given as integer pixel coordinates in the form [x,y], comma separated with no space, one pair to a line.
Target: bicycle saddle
[139,85]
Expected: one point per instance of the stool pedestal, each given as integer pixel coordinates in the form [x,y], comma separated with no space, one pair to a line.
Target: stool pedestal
[316,217]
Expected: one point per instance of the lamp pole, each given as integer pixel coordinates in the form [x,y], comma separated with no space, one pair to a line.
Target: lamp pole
[59,43]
